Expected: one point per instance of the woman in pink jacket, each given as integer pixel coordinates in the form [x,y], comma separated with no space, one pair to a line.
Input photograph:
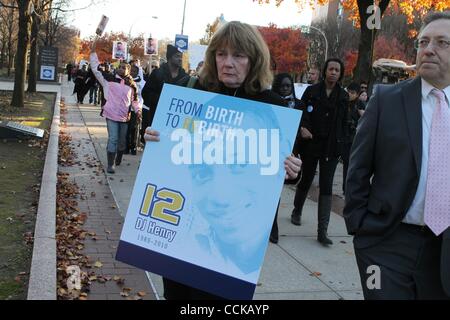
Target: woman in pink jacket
[120,92]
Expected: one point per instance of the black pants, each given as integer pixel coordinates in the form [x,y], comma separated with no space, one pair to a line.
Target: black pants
[409,264]
[177,291]
[326,174]
[80,95]
[132,133]
[145,123]
[274,230]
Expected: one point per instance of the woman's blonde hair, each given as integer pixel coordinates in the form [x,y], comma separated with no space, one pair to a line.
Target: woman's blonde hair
[246,39]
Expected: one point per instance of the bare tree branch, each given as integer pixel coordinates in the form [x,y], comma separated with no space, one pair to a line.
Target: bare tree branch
[92,3]
[8,5]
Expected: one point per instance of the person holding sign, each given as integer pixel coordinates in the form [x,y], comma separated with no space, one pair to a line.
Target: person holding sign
[237,63]
[120,92]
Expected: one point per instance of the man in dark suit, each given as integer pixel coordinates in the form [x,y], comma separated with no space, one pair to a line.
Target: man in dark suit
[398,185]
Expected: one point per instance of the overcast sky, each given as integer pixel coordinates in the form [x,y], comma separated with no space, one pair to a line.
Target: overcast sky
[137,16]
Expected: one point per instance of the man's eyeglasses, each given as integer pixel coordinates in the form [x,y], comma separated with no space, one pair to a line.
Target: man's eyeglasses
[424,43]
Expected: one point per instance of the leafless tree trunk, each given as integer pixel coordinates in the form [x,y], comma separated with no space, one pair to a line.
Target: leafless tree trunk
[23,43]
[363,70]
[32,75]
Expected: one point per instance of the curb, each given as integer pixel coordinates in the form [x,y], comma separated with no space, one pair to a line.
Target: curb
[147,274]
[42,283]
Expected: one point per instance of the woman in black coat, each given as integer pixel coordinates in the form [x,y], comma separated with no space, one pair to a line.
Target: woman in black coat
[324,128]
[237,63]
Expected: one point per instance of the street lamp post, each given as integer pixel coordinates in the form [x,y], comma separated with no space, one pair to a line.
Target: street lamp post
[135,21]
[322,33]
[184,15]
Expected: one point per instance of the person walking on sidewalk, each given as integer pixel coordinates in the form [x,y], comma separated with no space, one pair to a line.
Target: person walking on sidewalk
[283,85]
[398,185]
[355,108]
[324,125]
[92,87]
[134,124]
[69,69]
[237,63]
[120,93]
[80,83]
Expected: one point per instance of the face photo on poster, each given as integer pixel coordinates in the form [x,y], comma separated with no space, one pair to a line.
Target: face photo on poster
[151,46]
[119,50]
[228,226]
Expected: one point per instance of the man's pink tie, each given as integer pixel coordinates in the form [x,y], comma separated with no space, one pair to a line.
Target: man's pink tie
[437,198]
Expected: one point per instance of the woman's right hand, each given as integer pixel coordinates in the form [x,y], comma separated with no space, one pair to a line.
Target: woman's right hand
[306,134]
[151,135]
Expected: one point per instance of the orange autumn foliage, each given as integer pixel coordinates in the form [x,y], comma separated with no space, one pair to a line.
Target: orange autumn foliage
[407,7]
[288,48]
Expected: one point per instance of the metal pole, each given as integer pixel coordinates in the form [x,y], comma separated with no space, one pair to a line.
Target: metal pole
[326,41]
[184,15]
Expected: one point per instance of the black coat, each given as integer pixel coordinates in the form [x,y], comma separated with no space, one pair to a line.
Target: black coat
[323,115]
[154,85]
[385,167]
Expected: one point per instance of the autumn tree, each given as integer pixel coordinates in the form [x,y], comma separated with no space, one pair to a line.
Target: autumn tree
[136,47]
[68,44]
[390,48]
[211,29]
[359,12]
[104,45]
[396,24]
[350,60]
[49,17]
[341,36]
[287,48]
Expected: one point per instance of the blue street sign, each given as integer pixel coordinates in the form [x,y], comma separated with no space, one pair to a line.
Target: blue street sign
[182,42]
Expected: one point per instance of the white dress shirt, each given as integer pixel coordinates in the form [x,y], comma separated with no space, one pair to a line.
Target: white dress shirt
[415,214]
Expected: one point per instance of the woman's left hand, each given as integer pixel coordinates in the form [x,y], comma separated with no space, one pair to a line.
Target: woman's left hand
[293,166]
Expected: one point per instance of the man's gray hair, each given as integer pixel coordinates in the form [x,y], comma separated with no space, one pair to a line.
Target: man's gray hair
[433,16]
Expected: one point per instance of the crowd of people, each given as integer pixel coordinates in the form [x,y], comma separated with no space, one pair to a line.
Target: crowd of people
[338,124]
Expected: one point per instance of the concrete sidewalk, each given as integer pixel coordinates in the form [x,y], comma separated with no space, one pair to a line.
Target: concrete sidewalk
[104,222]
[297,268]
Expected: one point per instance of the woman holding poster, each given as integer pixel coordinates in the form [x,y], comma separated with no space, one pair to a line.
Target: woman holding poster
[237,63]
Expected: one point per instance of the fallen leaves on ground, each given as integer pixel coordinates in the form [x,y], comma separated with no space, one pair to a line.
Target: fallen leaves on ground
[69,231]
[316,274]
